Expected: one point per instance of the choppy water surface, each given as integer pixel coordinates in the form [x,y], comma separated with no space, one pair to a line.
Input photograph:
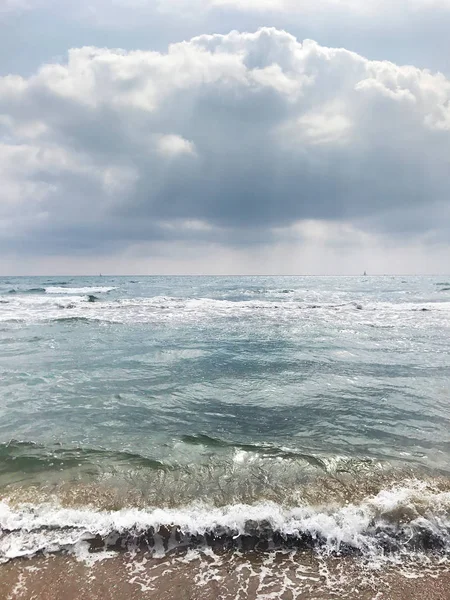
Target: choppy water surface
[299,411]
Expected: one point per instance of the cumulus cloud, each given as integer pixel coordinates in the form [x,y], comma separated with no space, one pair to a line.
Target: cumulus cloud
[230,139]
[404,31]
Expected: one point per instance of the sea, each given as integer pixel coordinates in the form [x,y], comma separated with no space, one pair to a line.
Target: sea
[224,437]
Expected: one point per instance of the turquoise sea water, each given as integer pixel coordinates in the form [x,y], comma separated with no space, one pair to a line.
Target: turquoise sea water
[237,391]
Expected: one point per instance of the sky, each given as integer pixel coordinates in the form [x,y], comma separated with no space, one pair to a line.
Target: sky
[224,137]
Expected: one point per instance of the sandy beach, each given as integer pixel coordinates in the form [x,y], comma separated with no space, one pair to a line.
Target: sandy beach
[233,577]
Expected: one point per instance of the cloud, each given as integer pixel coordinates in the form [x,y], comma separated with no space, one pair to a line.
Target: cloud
[405,31]
[226,139]
[174,145]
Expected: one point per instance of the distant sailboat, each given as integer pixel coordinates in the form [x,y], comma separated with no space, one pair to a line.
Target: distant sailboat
[365,274]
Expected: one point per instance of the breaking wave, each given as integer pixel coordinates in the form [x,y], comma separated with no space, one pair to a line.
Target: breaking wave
[410,518]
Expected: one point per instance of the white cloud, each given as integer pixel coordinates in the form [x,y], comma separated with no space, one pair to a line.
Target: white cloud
[173,145]
[329,125]
[231,138]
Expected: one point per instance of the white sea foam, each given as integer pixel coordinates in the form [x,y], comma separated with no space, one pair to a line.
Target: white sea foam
[397,517]
[349,316]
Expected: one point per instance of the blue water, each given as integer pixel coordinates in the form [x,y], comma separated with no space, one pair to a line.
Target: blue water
[354,367]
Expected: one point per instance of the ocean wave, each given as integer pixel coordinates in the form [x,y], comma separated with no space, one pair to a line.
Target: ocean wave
[411,518]
[327,464]
[225,474]
[94,303]
[74,319]
[27,291]
[79,290]
[24,458]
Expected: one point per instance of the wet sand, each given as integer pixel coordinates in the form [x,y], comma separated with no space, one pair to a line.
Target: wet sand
[190,577]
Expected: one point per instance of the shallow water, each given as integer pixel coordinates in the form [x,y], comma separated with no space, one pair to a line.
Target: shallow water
[311,412]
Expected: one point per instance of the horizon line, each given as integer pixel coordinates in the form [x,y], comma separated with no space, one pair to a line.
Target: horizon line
[239,275]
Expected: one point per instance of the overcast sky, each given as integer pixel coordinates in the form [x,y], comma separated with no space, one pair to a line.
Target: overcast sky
[224,136]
